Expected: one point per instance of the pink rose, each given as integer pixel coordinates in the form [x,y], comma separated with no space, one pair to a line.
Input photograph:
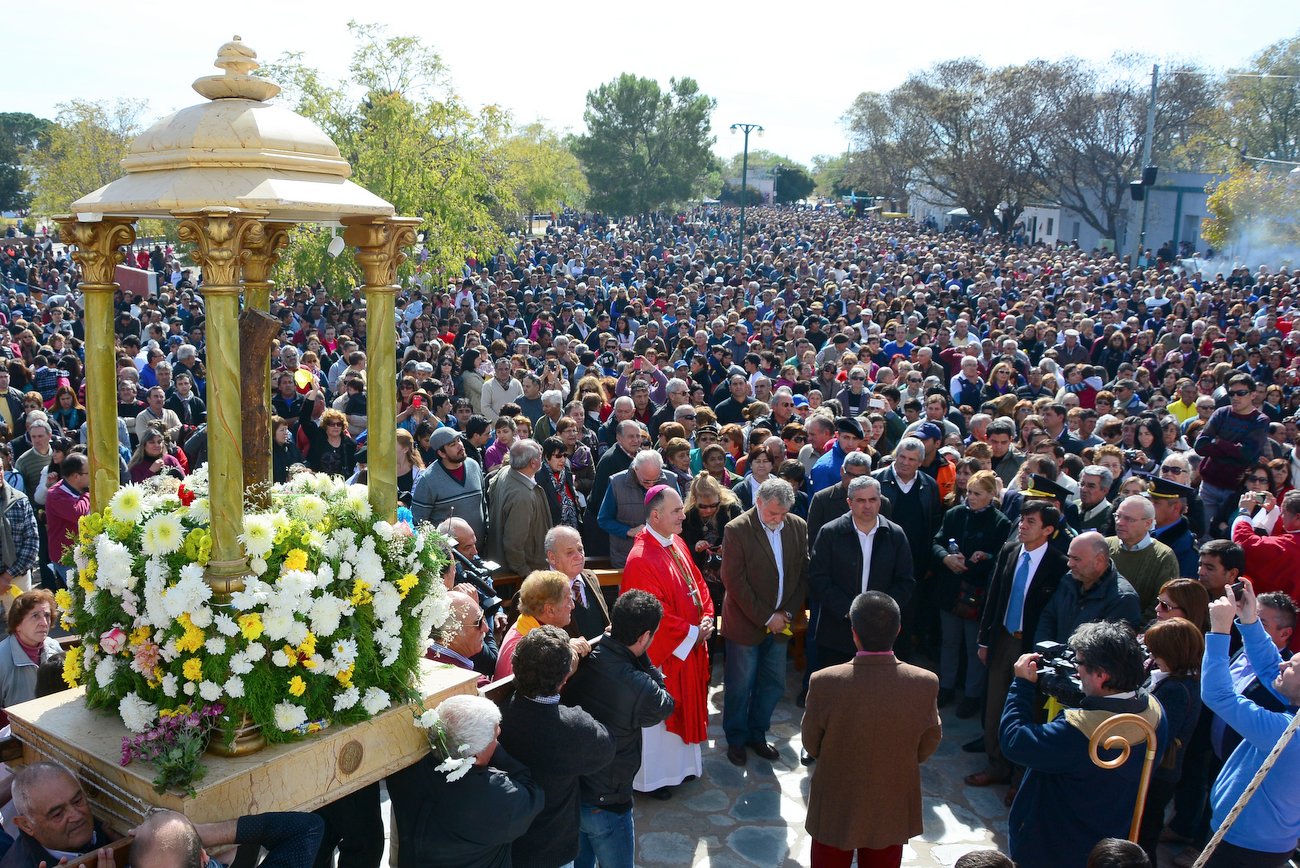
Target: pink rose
[112,641]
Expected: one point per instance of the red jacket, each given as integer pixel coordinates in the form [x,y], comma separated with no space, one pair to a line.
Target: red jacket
[1270,560]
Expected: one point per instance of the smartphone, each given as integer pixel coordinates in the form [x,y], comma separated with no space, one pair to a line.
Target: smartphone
[877,403]
[417,402]
[1238,590]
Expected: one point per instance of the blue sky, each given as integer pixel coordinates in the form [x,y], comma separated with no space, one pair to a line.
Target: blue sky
[794,68]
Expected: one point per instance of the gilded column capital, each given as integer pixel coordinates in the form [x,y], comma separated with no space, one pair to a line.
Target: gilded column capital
[222,239]
[379,242]
[263,252]
[98,246]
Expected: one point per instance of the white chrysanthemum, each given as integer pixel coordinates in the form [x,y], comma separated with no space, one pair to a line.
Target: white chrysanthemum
[130,604]
[279,658]
[226,625]
[114,565]
[189,595]
[258,537]
[240,664]
[201,617]
[234,687]
[295,586]
[192,573]
[188,689]
[128,504]
[317,540]
[297,633]
[210,691]
[347,699]
[255,651]
[383,530]
[326,614]
[163,534]
[137,715]
[357,501]
[427,720]
[375,701]
[276,623]
[257,566]
[105,669]
[344,652]
[345,572]
[200,511]
[216,645]
[324,576]
[169,685]
[289,717]
[310,508]
[387,601]
[169,652]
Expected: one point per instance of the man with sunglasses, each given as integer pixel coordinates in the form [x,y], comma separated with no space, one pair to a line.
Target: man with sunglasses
[471,627]
[1231,441]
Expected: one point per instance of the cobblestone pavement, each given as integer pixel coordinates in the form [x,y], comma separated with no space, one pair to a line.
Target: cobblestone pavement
[754,815]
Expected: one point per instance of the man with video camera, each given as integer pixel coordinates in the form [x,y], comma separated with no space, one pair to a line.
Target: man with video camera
[1066,804]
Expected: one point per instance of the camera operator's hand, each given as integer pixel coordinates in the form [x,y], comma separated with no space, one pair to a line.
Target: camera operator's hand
[1269,501]
[1222,612]
[1027,667]
[1247,503]
[1248,605]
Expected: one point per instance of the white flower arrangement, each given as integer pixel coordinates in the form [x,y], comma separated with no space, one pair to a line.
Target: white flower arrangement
[328,628]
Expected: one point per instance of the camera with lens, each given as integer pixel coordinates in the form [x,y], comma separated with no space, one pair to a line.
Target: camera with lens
[479,574]
[1057,676]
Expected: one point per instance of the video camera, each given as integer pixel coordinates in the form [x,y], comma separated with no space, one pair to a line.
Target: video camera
[480,576]
[1057,676]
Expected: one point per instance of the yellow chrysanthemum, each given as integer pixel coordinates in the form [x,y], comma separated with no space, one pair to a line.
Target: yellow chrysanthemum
[406,583]
[250,626]
[296,559]
[85,581]
[297,686]
[63,599]
[193,638]
[361,593]
[308,646]
[291,653]
[139,635]
[193,669]
[345,677]
[72,666]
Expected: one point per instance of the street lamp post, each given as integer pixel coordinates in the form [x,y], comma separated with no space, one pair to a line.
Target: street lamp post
[744,176]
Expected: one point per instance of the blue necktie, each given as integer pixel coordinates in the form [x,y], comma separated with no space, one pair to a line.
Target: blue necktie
[1016,605]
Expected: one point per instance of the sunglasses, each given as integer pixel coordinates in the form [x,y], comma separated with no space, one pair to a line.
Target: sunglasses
[1239,393]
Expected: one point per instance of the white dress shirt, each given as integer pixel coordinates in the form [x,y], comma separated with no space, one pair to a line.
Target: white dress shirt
[1035,558]
[774,540]
[868,543]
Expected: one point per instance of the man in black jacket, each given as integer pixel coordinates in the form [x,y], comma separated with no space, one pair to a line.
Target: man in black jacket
[618,686]
[559,745]
[1031,568]
[839,571]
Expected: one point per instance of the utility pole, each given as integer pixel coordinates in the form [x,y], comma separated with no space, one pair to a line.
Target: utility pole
[1146,152]
[744,175]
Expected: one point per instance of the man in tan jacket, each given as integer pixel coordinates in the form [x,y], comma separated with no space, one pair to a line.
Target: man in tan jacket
[866,787]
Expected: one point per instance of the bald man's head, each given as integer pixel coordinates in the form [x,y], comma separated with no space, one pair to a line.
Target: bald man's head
[167,839]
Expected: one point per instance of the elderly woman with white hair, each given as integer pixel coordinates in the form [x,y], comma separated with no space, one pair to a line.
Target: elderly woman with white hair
[467,800]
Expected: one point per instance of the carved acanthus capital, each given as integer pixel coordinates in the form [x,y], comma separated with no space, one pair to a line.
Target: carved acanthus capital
[261,257]
[379,242]
[222,239]
[98,246]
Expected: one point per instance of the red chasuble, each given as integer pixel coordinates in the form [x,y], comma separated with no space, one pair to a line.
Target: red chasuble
[651,567]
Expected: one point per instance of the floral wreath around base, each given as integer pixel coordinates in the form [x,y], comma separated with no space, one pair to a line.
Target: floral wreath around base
[329,628]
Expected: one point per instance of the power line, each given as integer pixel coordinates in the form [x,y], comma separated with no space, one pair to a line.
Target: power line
[1261,75]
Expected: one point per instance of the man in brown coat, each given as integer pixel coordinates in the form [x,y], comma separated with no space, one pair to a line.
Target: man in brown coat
[765,572]
[866,788]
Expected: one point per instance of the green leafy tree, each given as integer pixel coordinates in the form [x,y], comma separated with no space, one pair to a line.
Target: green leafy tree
[20,134]
[793,183]
[410,139]
[1257,207]
[544,175]
[731,195]
[82,152]
[645,148]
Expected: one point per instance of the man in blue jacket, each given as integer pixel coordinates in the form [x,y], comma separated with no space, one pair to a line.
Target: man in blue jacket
[1066,804]
[1265,832]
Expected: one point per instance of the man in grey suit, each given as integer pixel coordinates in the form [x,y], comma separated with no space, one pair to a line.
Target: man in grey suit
[861,551]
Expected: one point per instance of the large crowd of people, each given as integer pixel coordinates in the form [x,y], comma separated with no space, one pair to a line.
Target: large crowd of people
[920,455]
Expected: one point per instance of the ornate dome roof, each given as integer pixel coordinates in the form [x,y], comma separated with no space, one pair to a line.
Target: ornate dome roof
[235,151]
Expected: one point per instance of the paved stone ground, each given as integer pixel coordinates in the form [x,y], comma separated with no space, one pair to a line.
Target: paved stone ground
[754,815]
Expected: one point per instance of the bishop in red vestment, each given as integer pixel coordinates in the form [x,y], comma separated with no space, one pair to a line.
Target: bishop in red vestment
[660,564]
